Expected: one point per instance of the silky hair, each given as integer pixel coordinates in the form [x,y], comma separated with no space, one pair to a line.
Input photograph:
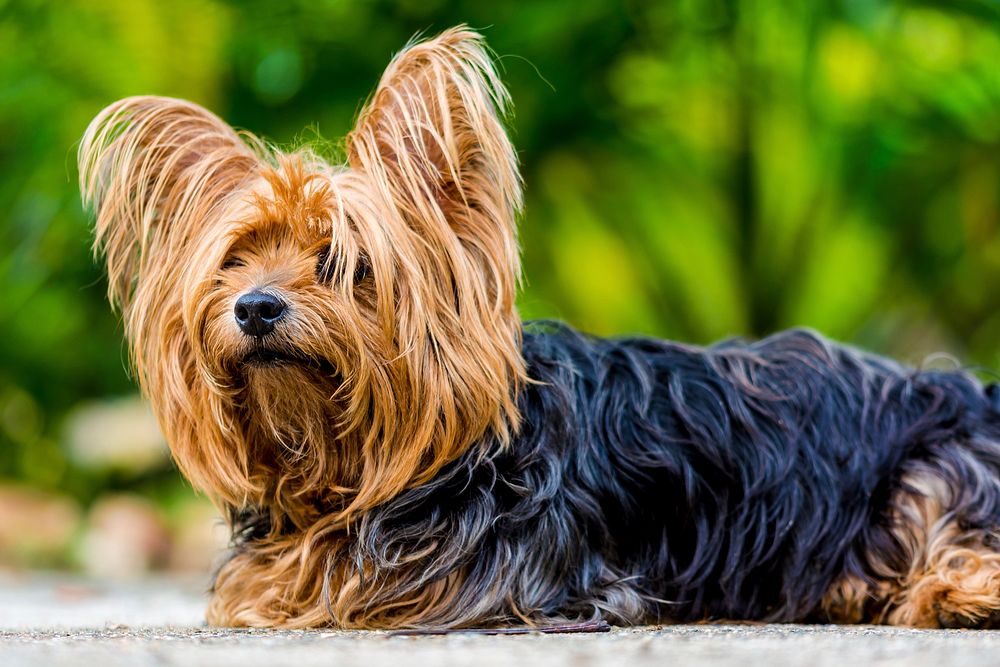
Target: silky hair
[399,451]
[427,351]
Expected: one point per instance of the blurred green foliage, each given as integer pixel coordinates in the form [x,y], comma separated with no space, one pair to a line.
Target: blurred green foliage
[694,168]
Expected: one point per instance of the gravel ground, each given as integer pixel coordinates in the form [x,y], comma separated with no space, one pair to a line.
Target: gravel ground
[58,621]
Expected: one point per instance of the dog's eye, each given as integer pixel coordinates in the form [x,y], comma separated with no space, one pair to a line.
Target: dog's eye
[233,263]
[325,265]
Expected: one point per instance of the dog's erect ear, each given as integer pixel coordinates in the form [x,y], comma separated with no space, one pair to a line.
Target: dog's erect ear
[444,184]
[432,141]
[154,169]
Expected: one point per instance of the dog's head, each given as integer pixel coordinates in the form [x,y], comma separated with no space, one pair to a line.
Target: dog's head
[310,333]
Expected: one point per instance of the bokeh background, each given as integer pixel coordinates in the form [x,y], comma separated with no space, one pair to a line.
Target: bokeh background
[695,169]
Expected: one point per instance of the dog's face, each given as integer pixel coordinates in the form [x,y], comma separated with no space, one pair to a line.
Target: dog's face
[314,335]
[283,310]
[280,323]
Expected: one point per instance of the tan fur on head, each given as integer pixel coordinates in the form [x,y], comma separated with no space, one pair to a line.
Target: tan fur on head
[398,368]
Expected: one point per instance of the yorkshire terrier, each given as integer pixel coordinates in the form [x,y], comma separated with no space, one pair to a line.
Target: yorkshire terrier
[334,354]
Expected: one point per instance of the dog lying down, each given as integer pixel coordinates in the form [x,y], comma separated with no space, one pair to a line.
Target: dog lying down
[334,354]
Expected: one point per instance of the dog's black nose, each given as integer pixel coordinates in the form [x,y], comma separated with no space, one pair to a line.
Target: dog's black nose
[257,312]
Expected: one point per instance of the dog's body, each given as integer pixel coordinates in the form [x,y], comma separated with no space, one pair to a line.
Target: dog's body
[336,359]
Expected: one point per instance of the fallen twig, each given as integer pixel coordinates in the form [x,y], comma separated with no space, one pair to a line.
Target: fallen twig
[564,628]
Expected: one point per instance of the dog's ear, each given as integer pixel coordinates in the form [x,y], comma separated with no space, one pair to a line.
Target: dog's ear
[154,169]
[443,180]
[432,142]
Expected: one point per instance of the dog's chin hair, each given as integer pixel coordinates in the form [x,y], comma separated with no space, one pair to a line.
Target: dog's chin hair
[296,432]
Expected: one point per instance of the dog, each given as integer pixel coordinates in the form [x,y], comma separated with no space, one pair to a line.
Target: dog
[334,354]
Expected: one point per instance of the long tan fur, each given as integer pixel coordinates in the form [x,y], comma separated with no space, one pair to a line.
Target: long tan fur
[404,367]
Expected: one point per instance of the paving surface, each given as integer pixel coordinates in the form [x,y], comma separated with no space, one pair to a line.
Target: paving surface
[57,621]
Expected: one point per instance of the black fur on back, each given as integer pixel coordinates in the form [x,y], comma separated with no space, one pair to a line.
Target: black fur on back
[654,481]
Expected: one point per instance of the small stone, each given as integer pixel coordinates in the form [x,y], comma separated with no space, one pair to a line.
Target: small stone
[118,434]
[125,538]
[36,528]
